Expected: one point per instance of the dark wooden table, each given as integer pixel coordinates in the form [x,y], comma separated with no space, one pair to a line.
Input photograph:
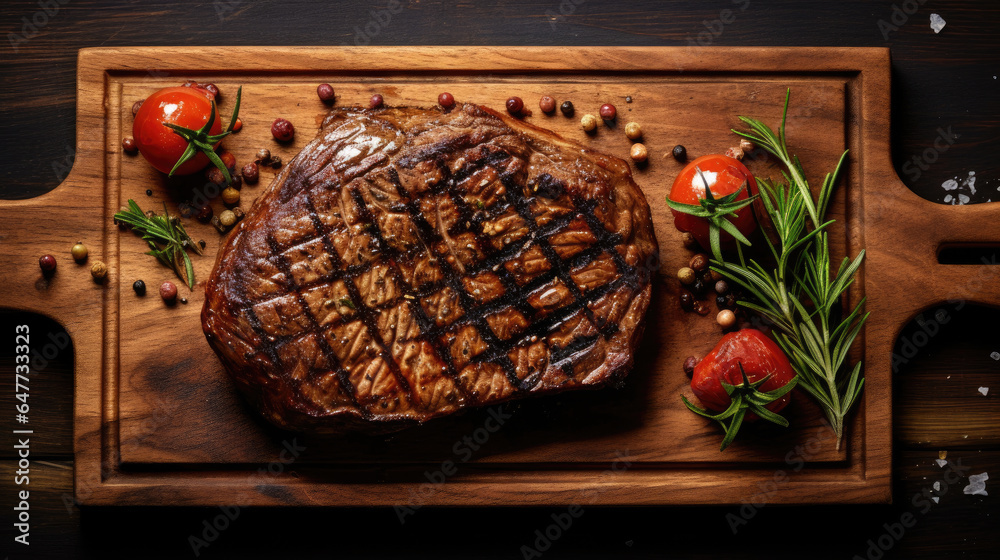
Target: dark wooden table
[945,86]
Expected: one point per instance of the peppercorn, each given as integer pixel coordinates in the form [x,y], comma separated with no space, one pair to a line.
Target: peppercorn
[136,105]
[99,270]
[700,308]
[237,181]
[237,124]
[47,263]
[589,123]
[325,93]
[608,112]
[275,162]
[721,287]
[638,153]
[515,105]
[567,108]
[726,318]
[204,214]
[686,299]
[140,287]
[680,153]
[201,243]
[698,287]
[228,159]
[689,241]
[446,100]
[746,145]
[547,104]
[251,173]
[633,131]
[686,275]
[689,364]
[227,218]
[184,300]
[128,144]
[376,101]
[282,130]
[215,175]
[212,89]
[263,156]
[168,291]
[79,252]
[149,192]
[721,302]
[699,262]
[230,197]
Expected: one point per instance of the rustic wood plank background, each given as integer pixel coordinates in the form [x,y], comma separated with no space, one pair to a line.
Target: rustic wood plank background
[944,86]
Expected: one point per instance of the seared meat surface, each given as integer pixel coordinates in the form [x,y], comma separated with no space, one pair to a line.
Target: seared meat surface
[409,263]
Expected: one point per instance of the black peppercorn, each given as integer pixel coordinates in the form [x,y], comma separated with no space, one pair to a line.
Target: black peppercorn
[720,302]
[686,299]
[149,192]
[698,287]
[680,153]
[140,287]
[567,108]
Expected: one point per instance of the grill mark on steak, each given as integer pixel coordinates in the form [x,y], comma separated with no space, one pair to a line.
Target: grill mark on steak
[550,299]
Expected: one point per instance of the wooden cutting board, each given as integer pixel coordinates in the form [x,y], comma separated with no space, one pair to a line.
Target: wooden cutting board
[158,422]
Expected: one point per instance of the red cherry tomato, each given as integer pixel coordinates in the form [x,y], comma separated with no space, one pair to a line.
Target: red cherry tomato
[724,176]
[189,107]
[759,355]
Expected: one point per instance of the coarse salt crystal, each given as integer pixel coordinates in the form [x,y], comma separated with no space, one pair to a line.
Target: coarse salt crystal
[937,486]
[948,198]
[977,484]
[937,23]
[963,199]
[936,499]
[984,390]
[995,355]
[941,462]
[949,185]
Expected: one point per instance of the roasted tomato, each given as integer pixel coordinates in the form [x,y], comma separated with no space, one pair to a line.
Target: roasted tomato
[725,176]
[189,107]
[759,379]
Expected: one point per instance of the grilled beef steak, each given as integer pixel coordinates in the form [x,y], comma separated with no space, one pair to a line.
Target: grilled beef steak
[410,263]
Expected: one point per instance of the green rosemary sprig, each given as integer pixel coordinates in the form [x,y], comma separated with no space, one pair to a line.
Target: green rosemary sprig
[800,295]
[166,237]
[745,398]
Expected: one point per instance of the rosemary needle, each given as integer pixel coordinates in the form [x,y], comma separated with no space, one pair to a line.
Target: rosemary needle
[167,239]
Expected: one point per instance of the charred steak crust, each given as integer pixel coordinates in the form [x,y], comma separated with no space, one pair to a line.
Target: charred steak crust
[409,263]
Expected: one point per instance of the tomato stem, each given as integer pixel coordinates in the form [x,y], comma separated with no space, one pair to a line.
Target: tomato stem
[200,140]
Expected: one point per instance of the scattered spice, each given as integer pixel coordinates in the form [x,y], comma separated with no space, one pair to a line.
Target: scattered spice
[275,162]
[251,173]
[47,263]
[700,308]
[149,192]
[228,159]
[227,218]
[721,287]
[128,144]
[184,300]
[699,262]
[205,214]
[589,123]
[263,156]
[686,275]
[168,291]
[139,287]
[628,99]
[689,364]
[686,299]
[282,130]
[680,153]
[446,100]
[984,390]
[79,252]
[99,270]
[746,145]
[726,318]
[689,241]
[515,105]
[136,105]
[230,196]
[547,104]
[977,484]
[608,112]
[325,93]
[633,131]
[376,101]
[638,153]
[567,108]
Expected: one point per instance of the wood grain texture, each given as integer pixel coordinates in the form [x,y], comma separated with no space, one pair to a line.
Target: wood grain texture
[137,402]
